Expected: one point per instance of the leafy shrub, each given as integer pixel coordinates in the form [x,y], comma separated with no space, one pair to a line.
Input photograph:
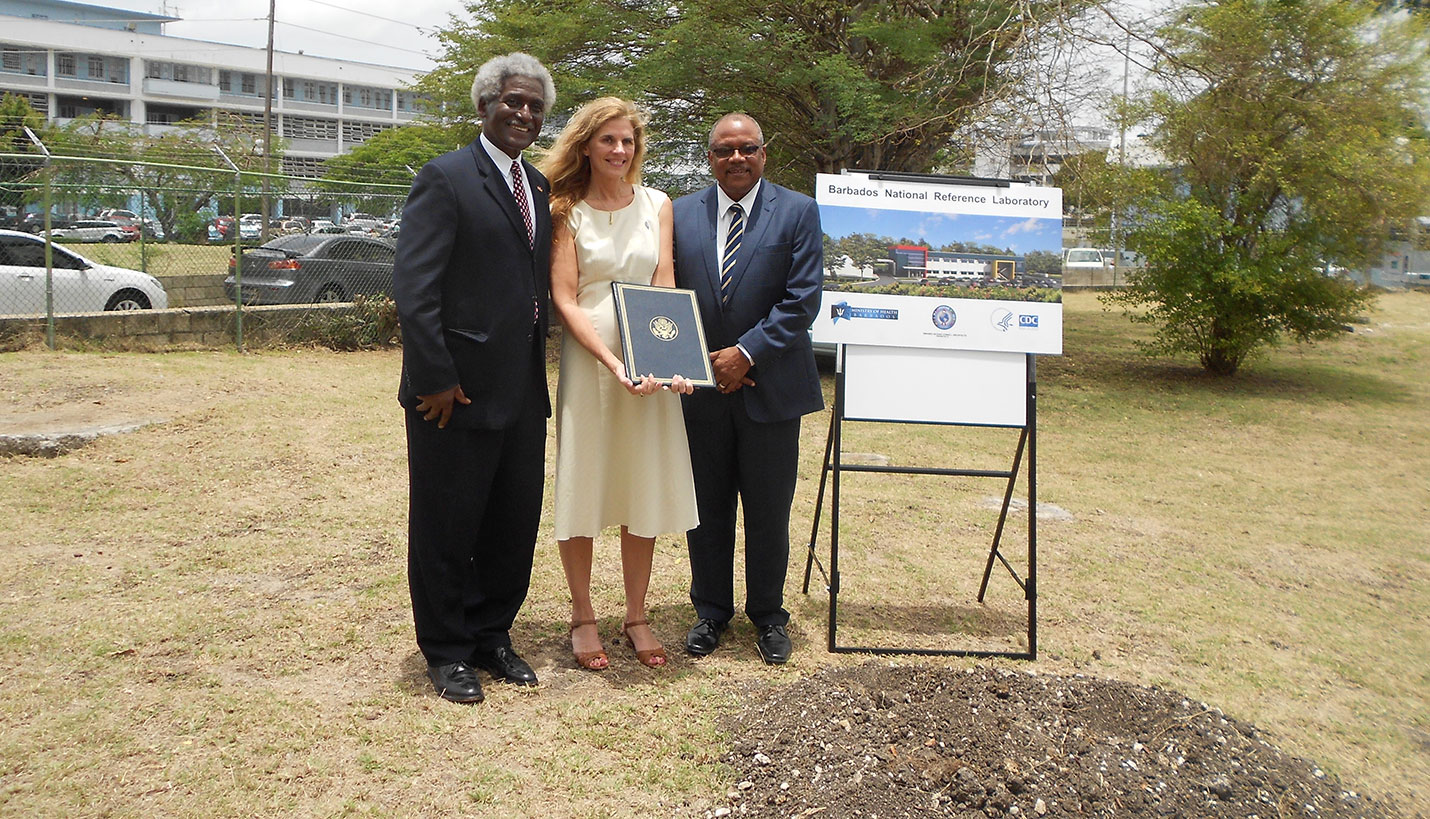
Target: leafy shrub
[369,324]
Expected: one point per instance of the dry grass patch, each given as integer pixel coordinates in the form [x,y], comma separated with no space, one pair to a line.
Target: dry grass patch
[209,616]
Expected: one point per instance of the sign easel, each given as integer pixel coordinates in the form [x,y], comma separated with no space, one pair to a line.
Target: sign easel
[833,467]
[956,359]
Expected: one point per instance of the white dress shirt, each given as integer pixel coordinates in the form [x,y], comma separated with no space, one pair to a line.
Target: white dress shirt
[722,223]
[503,163]
[722,229]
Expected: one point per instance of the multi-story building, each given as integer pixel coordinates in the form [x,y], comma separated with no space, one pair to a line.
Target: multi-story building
[1036,156]
[70,59]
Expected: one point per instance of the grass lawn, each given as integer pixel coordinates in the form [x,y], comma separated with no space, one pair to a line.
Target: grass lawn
[159,258]
[209,616]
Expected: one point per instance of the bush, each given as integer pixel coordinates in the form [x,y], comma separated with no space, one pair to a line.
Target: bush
[370,323]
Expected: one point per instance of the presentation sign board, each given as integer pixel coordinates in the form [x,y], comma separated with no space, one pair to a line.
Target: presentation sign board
[1001,246]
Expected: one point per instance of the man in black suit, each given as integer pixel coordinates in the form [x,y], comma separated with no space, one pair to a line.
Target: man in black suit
[471,284]
[753,252]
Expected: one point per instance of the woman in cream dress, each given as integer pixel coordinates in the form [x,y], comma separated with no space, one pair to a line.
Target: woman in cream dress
[622,458]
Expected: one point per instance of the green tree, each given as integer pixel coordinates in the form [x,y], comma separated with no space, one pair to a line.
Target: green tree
[17,172]
[176,172]
[1296,131]
[836,84]
[390,158]
[1043,263]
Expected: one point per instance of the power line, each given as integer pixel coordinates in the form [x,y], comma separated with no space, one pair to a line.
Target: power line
[347,10]
[353,39]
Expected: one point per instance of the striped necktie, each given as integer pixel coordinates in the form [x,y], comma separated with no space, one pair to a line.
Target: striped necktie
[732,249]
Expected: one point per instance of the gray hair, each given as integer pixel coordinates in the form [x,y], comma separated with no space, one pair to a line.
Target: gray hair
[493,74]
[760,132]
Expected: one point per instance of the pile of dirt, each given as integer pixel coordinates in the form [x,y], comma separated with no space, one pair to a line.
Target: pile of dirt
[887,741]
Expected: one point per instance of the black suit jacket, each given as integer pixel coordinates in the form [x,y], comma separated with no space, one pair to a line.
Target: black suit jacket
[465,282]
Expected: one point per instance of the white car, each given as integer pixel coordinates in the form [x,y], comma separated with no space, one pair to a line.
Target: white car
[79,285]
[92,230]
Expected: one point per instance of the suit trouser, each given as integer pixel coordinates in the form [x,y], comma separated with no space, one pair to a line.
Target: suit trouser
[732,458]
[473,512]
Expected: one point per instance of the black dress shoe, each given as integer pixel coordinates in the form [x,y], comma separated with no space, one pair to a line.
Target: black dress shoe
[773,644]
[456,682]
[504,664]
[704,636]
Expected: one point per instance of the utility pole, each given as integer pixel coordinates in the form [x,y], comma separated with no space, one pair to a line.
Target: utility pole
[1121,161]
[267,131]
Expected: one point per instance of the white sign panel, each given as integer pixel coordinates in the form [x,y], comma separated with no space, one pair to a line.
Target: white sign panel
[939,323]
[935,386]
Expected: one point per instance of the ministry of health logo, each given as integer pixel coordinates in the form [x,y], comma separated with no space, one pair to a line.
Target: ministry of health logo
[944,317]
[1002,320]
[664,329]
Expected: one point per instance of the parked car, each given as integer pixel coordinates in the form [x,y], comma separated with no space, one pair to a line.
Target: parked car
[363,226]
[95,230]
[79,285]
[321,267]
[1086,258]
[325,226]
[220,228]
[35,222]
[1035,280]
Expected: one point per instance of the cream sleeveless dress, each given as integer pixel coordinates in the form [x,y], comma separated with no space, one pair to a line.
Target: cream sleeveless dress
[620,458]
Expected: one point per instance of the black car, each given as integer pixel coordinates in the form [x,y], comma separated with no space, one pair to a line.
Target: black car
[35,222]
[305,268]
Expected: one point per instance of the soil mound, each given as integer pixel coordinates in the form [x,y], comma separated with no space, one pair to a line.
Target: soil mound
[881,741]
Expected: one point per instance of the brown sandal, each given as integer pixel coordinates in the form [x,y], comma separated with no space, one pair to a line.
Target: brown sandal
[589,660]
[651,657]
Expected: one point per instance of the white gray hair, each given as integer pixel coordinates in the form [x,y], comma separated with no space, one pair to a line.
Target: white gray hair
[493,74]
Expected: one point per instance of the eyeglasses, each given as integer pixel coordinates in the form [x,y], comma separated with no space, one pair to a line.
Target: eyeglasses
[724,152]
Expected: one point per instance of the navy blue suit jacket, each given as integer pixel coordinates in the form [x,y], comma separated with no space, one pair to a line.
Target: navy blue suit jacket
[774,293]
[465,282]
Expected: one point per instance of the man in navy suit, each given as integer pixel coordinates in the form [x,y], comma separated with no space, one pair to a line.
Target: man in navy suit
[753,253]
[471,282]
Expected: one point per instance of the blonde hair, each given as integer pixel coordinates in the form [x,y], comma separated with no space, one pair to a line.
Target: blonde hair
[569,170]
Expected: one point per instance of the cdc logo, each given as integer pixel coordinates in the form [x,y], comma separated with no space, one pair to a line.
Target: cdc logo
[944,317]
[1027,322]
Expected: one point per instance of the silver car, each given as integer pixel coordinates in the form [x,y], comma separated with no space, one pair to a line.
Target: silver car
[80,285]
[93,230]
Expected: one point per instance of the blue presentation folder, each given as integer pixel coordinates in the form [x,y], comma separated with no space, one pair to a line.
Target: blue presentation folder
[661,333]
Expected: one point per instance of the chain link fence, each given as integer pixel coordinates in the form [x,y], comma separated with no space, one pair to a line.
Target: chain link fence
[183,253]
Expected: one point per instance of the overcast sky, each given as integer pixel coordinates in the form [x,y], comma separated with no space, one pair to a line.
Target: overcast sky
[370,31]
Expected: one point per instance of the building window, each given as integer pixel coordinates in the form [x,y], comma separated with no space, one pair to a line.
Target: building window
[357,132]
[360,97]
[64,65]
[178,72]
[248,84]
[324,93]
[225,81]
[96,68]
[305,166]
[309,128]
[10,59]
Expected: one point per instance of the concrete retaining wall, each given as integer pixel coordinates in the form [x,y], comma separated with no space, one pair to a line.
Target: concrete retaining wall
[183,328]
[195,291]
